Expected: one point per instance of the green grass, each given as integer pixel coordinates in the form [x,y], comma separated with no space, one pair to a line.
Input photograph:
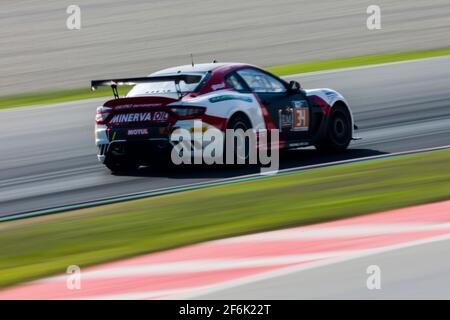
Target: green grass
[36,247]
[358,61]
[49,97]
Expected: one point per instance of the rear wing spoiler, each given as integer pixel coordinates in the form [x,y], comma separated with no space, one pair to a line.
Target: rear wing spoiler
[113,83]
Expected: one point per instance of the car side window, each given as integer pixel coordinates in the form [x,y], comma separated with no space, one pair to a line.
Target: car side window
[233,82]
[261,82]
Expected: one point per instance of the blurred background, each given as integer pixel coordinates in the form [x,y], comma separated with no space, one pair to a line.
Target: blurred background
[48,157]
[129,38]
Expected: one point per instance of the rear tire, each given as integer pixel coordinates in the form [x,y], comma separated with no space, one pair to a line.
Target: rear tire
[120,165]
[338,133]
[239,122]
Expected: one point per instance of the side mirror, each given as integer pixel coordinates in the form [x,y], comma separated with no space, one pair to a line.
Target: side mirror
[294,86]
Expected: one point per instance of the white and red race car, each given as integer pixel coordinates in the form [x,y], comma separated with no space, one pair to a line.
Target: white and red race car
[135,130]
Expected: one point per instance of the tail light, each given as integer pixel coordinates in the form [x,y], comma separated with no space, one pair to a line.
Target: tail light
[187,112]
[102,114]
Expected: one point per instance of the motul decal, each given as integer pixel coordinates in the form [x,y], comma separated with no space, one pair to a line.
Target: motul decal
[137,132]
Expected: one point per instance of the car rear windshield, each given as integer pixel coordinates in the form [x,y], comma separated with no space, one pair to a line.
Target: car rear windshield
[164,87]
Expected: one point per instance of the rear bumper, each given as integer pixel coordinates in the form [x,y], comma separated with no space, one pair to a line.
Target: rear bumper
[144,149]
[157,143]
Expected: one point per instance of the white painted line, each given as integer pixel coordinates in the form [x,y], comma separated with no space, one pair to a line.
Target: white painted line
[370,66]
[313,232]
[142,295]
[202,291]
[199,266]
[198,292]
[207,265]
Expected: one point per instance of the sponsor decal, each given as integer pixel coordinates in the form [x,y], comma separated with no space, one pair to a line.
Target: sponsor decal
[229,97]
[331,96]
[160,116]
[137,132]
[132,106]
[295,118]
[300,104]
[300,119]
[139,117]
[285,117]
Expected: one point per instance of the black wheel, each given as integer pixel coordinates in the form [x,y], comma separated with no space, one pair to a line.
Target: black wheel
[162,160]
[120,164]
[236,123]
[338,134]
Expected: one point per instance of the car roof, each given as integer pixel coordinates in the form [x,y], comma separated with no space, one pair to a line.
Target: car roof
[201,67]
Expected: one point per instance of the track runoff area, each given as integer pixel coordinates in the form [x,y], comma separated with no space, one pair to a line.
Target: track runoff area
[242,267]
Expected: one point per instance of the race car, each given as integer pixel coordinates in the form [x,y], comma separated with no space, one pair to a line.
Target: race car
[135,130]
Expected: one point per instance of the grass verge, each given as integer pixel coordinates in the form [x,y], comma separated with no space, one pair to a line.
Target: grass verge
[49,97]
[36,247]
[358,61]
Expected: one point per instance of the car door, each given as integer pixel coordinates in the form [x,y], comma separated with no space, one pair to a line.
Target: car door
[288,110]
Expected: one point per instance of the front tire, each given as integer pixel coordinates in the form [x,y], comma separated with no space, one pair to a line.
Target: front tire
[338,132]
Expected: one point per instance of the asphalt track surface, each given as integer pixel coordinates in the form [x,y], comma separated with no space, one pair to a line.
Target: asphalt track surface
[48,157]
[119,38]
[417,272]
